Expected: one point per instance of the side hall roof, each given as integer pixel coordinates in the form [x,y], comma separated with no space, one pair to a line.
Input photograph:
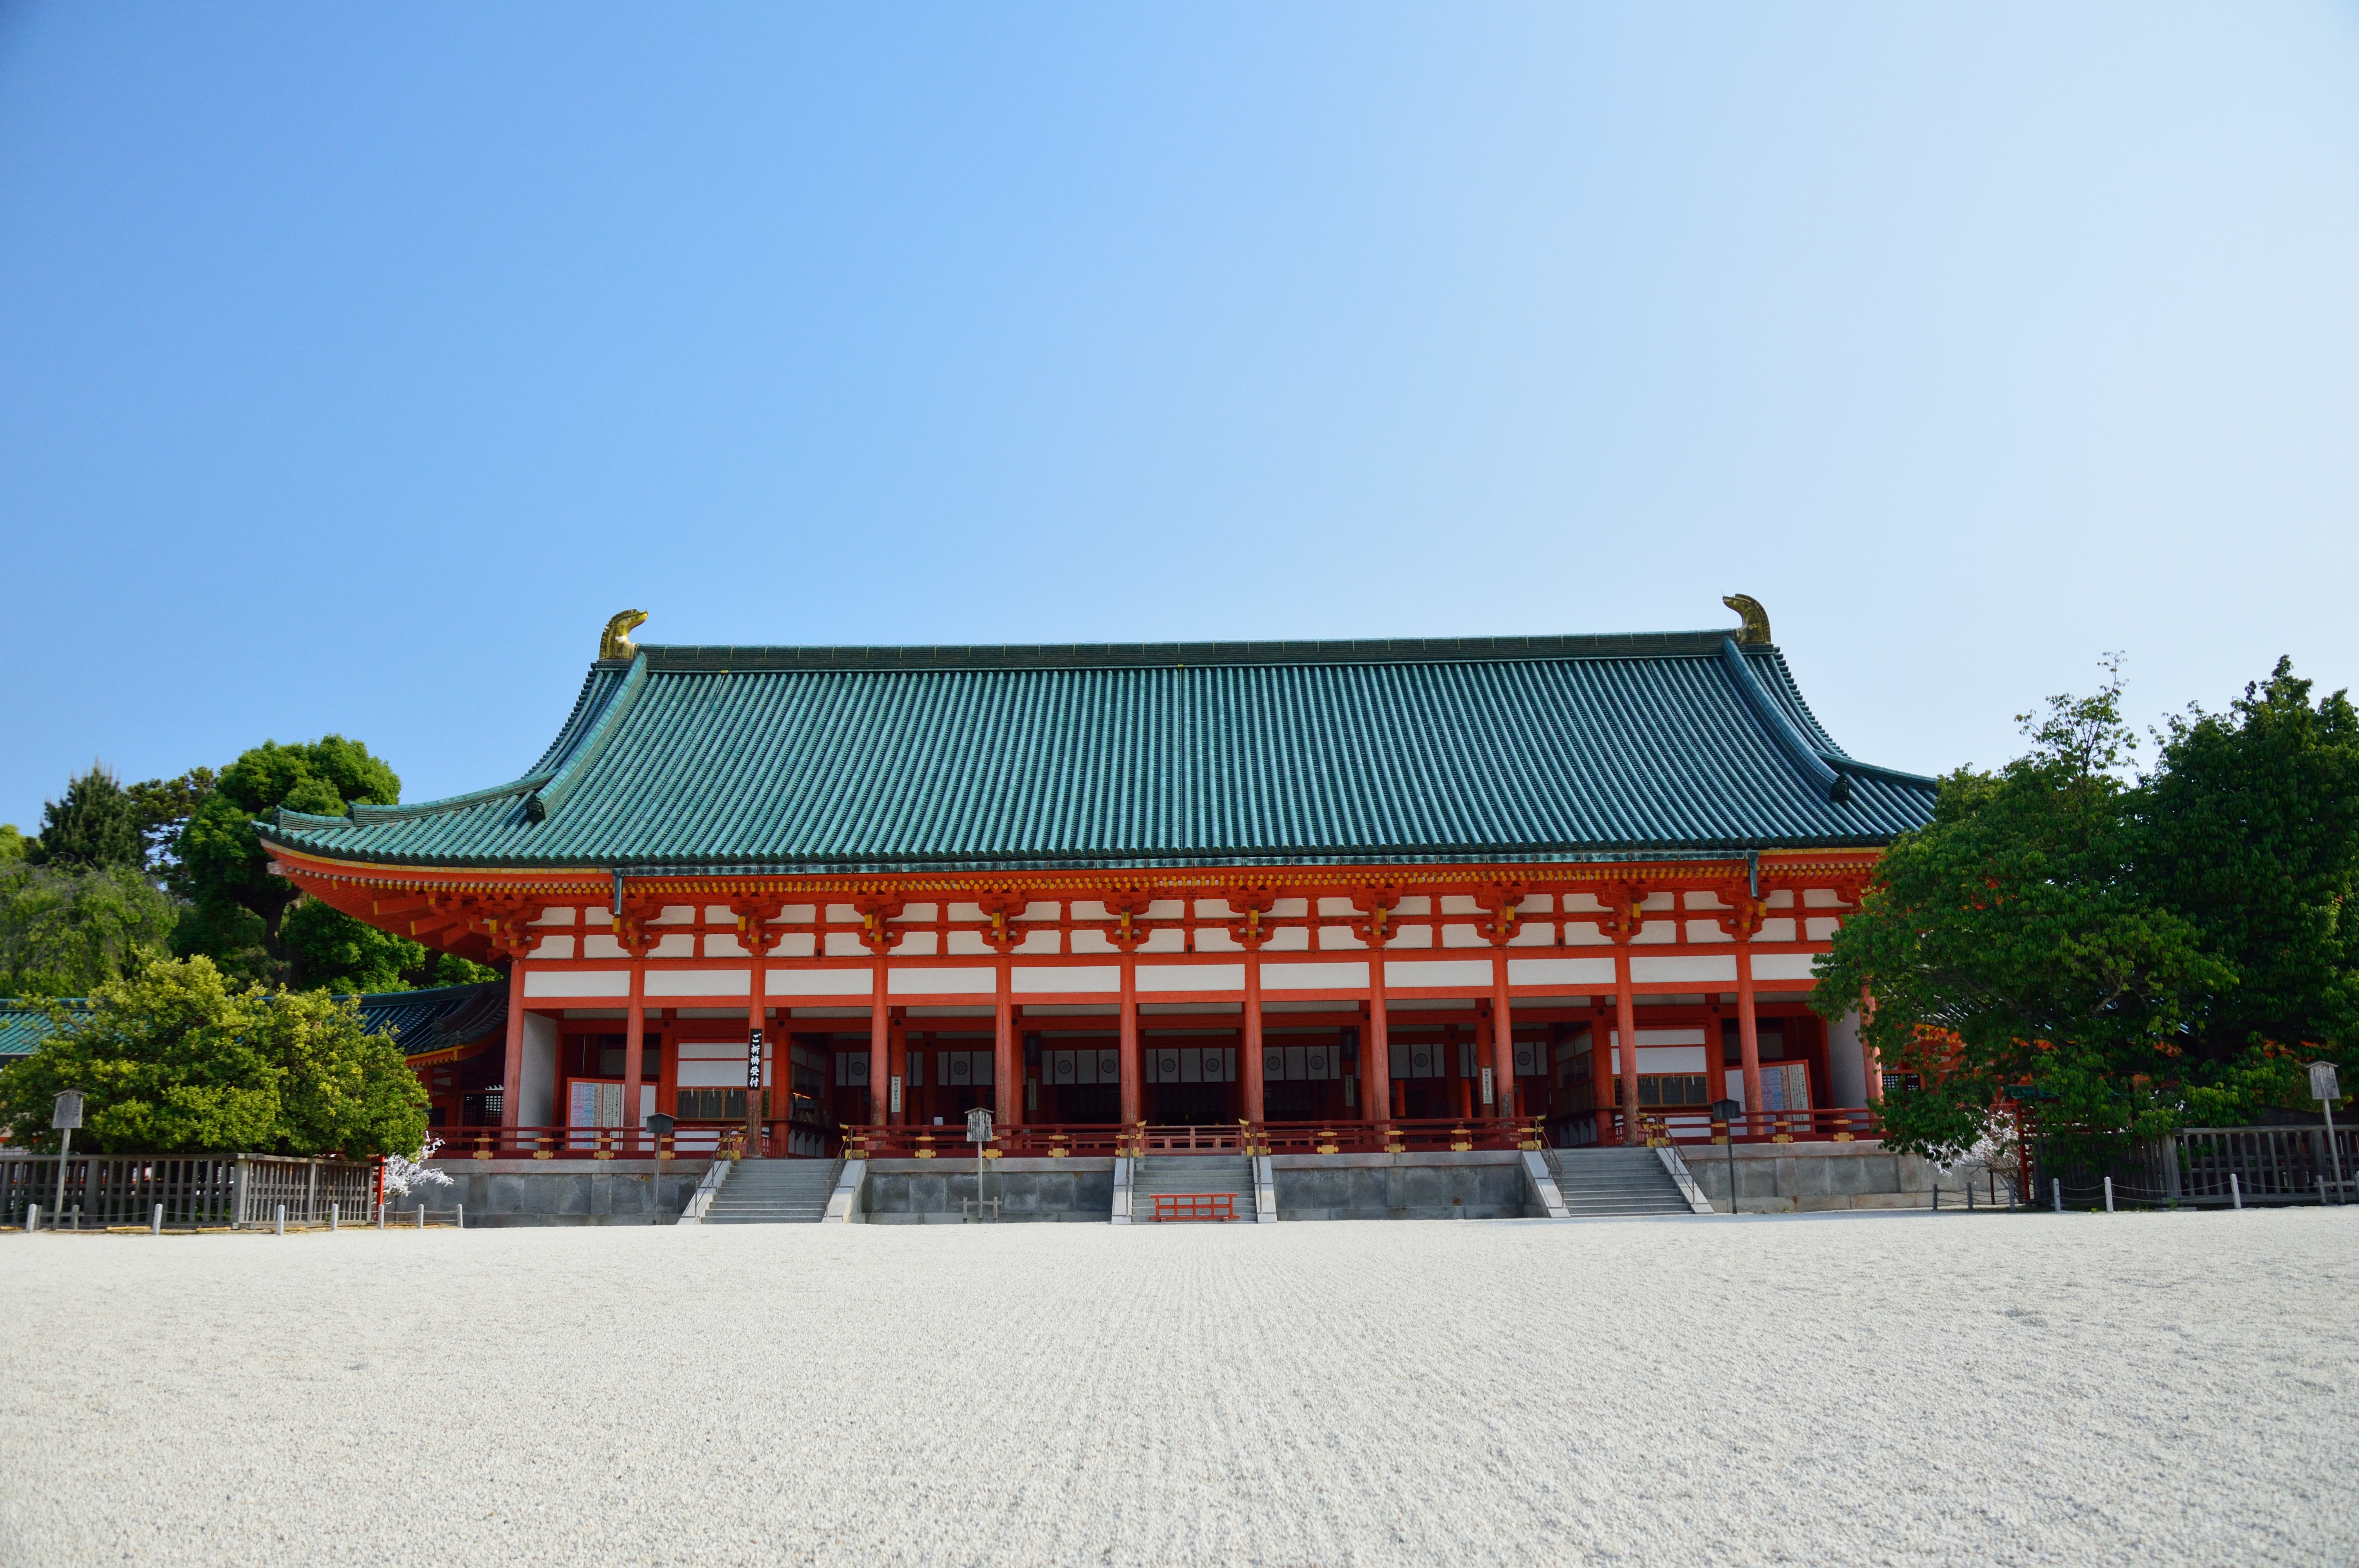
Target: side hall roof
[795,759]
[423,1022]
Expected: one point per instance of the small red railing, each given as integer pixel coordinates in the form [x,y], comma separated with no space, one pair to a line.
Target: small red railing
[1194,1205]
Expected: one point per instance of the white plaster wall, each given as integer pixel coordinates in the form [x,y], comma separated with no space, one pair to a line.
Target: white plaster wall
[536,1090]
[1847,1073]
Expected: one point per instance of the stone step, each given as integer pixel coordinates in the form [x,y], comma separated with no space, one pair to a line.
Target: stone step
[1610,1182]
[1224,1175]
[774,1192]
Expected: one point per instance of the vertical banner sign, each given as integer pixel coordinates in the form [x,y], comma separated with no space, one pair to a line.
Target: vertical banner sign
[895,1102]
[753,1093]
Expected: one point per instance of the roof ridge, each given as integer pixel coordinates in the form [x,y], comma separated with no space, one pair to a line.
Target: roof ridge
[665,657]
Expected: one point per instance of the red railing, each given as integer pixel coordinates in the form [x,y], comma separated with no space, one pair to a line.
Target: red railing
[691,1141]
[1400,1136]
[1105,1139]
[1831,1124]
[1194,1205]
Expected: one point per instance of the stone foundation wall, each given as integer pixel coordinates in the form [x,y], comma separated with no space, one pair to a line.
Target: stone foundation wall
[1030,1191]
[563,1191]
[1805,1178]
[1480,1184]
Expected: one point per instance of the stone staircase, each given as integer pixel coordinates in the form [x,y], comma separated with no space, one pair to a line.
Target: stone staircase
[774,1192]
[1229,1173]
[1599,1182]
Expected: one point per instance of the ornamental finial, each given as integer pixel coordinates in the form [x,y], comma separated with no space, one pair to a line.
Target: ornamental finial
[617,643]
[1756,620]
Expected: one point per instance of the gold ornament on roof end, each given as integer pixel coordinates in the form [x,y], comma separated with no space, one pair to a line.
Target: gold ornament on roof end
[617,642]
[1756,620]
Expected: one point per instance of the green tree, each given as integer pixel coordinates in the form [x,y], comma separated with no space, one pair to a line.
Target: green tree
[12,843]
[96,824]
[332,949]
[220,864]
[2125,942]
[165,806]
[2250,832]
[174,1060]
[64,932]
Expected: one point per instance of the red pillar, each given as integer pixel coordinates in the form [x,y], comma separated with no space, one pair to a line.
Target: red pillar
[1375,1055]
[634,1023]
[1625,1020]
[1131,1095]
[1870,1063]
[1502,1040]
[1252,1064]
[1006,1061]
[512,1079]
[880,1050]
[1748,1038]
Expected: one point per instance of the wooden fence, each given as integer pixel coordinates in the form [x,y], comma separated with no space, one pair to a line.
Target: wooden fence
[197,1191]
[2192,1167]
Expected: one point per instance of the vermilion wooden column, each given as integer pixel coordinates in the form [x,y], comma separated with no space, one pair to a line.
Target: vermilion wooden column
[1870,1062]
[634,1023]
[880,1051]
[1626,1021]
[512,1078]
[1252,1064]
[1375,1055]
[1502,1040]
[1131,1096]
[1748,1038]
[1006,1061]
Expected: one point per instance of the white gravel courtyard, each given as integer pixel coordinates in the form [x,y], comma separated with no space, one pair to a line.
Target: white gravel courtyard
[1883,1389]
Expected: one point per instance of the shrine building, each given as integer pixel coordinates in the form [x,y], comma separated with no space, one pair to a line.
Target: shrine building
[1308,896]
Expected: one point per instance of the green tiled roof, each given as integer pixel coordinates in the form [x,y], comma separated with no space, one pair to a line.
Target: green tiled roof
[427,1021]
[758,759]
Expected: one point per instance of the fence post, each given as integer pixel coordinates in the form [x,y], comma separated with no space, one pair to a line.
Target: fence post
[32,1217]
[310,1191]
[380,1216]
[156,1221]
[282,1220]
[2056,1190]
[2109,1194]
[238,1222]
[2235,1191]
[421,1214]
[462,1217]
[335,1213]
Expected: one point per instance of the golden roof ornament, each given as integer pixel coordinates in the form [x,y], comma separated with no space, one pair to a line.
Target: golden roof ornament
[617,642]
[1756,620]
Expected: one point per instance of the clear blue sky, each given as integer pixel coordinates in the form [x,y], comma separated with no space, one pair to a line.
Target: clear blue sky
[357,361]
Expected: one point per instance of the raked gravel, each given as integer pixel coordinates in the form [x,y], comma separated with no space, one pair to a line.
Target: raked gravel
[1874,1389]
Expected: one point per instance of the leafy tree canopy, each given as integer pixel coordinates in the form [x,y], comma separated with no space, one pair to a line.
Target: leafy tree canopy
[2158,950]
[63,931]
[221,863]
[96,824]
[12,843]
[331,948]
[175,1060]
